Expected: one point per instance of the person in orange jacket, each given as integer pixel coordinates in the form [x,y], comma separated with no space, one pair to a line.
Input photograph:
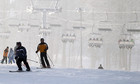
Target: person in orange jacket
[43,47]
[5,54]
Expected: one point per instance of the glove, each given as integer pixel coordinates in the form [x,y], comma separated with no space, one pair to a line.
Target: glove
[36,51]
[45,50]
[16,57]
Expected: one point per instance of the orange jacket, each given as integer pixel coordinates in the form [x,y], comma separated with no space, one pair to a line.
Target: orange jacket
[5,53]
[42,47]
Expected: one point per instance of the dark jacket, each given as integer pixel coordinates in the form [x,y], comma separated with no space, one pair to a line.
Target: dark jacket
[21,52]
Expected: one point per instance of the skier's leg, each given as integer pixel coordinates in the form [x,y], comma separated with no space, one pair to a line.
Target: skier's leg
[2,60]
[18,62]
[42,60]
[6,59]
[13,60]
[13,56]
[26,64]
[47,61]
[9,60]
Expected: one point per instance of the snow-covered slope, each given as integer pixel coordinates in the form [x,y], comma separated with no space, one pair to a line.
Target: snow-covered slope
[66,76]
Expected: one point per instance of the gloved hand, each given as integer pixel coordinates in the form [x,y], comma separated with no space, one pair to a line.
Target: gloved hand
[36,51]
[45,50]
[16,57]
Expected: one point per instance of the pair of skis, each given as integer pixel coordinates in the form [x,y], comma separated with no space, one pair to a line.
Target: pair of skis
[29,71]
[20,71]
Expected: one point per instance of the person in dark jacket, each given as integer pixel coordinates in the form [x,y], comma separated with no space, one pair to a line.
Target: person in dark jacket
[43,47]
[21,56]
[100,67]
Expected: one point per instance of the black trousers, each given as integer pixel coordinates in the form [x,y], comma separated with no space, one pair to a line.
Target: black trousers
[18,62]
[43,56]
[4,58]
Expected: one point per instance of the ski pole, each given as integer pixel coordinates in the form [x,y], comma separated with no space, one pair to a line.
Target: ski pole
[33,60]
[39,59]
[50,60]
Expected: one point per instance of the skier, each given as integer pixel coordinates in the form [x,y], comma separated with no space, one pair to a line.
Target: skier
[43,47]
[100,67]
[21,56]
[5,53]
[11,56]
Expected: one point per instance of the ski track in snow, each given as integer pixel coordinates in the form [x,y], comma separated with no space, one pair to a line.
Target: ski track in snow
[66,76]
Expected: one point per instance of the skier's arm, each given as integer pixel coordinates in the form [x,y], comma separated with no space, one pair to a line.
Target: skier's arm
[46,47]
[25,52]
[37,49]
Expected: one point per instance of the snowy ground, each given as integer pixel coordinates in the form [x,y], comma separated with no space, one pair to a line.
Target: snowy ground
[66,76]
